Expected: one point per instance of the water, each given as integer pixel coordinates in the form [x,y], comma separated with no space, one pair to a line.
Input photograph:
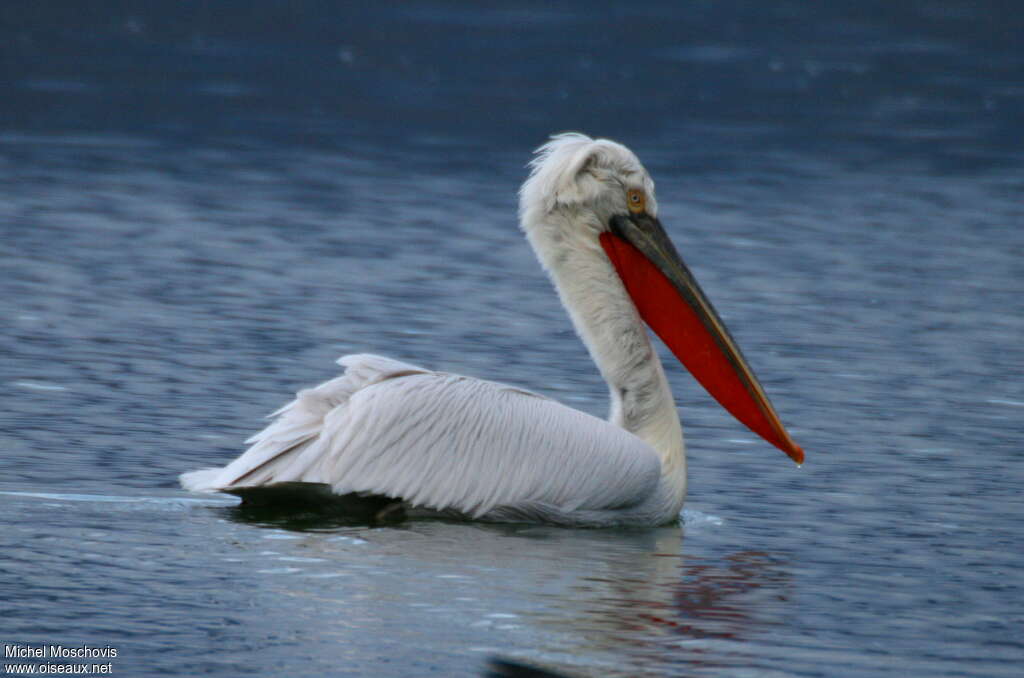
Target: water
[202,208]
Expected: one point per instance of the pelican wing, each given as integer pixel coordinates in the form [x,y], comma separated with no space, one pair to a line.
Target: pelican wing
[443,442]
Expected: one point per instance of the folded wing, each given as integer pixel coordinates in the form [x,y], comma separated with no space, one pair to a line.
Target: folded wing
[442,442]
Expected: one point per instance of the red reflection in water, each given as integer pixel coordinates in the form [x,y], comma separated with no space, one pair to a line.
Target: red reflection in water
[716,601]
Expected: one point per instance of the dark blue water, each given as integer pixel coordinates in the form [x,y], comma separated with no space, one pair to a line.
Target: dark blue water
[202,205]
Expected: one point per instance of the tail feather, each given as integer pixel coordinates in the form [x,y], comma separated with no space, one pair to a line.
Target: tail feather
[286,450]
[203,480]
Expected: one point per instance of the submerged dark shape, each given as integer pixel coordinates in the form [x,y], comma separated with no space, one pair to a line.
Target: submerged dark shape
[498,667]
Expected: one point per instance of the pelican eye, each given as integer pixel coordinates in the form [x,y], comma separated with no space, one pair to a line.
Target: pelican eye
[636,200]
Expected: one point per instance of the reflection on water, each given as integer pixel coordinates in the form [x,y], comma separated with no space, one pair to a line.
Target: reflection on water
[582,600]
[713,601]
[665,609]
[637,594]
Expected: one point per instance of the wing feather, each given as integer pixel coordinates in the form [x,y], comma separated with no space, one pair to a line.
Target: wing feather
[445,442]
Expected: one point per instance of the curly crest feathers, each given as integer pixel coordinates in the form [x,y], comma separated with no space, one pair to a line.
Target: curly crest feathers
[573,169]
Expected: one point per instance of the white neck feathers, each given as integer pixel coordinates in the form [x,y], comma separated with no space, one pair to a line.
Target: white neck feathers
[610,326]
[563,226]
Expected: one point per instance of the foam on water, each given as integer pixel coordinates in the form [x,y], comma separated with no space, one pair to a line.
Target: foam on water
[100,498]
[693,519]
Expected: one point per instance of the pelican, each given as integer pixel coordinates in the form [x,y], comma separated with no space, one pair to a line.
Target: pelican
[456,446]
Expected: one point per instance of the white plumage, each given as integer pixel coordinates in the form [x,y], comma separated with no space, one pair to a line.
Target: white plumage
[442,441]
[483,450]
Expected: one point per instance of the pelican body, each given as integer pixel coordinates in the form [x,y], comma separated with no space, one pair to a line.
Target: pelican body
[458,446]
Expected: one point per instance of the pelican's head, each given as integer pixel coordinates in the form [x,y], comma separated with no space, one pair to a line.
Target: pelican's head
[586,182]
[588,209]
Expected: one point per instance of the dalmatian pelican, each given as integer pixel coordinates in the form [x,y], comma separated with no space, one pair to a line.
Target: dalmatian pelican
[462,447]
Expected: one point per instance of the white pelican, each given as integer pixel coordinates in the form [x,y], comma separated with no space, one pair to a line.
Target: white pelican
[458,446]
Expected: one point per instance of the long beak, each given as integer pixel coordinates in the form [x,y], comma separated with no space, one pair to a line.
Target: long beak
[673,305]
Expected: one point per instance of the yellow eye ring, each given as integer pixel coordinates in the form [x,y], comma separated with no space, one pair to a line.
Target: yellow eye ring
[636,200]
